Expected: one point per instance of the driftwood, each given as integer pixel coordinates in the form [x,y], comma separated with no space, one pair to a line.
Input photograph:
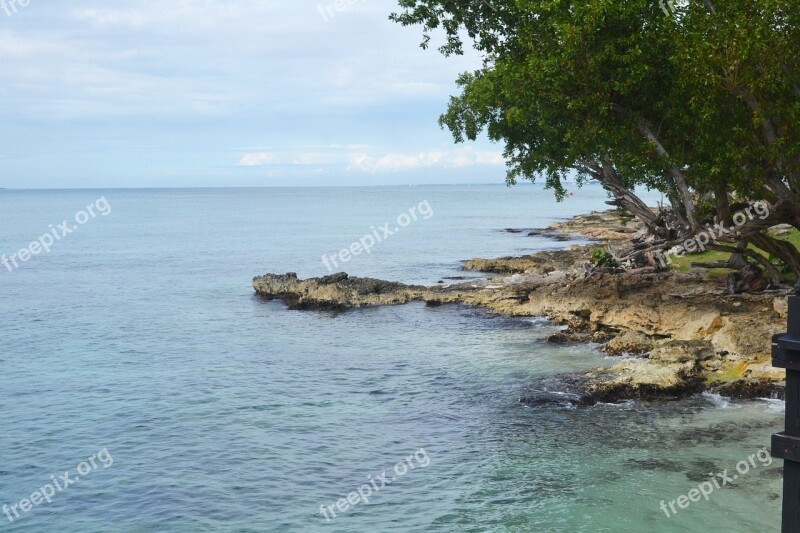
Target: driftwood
[748,279]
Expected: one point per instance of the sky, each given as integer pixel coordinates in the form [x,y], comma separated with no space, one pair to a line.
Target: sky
[194,93]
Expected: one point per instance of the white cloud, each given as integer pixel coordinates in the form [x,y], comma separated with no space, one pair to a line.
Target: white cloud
[360,158]
[396,162]
[109,17]
[257,159]
[206,84]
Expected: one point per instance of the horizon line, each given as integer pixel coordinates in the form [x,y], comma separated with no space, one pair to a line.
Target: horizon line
[492,184]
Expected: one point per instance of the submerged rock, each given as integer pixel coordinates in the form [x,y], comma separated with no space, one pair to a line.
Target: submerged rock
[550,234]
[557,399]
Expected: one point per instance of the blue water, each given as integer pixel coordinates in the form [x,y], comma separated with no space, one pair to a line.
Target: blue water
[139,334]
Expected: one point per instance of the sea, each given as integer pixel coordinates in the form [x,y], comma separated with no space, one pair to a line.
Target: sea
[136,359]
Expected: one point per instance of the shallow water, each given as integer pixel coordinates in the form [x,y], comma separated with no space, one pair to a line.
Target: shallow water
[139,333]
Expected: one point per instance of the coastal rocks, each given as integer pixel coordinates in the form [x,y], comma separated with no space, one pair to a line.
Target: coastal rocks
[692,335]
[746,332]
[764,371]
[682,351]
[640,379]
[542,398]
[338,291]
[633,379]
[750,388]
[629,342]
[570,335]
[600,225]
[565,390]
[550,234]
[541,263]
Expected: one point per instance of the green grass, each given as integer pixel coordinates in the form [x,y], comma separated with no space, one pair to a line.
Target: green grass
[684,264]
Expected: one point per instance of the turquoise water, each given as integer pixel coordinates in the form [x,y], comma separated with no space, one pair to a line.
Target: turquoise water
[139,334]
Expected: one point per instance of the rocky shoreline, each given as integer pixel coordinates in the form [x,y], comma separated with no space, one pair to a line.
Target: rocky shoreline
[676,334]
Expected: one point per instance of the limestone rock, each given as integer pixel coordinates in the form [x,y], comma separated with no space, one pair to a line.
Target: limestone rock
[630,342]
[675,351]
[781,307]
[764,371]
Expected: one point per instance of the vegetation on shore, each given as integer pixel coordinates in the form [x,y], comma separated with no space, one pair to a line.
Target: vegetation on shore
[698,100]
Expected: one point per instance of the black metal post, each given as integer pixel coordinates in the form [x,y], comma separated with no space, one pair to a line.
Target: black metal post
[786,445]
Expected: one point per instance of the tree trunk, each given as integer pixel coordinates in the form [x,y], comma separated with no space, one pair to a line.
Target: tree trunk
[760,259]
[609,179]
[783,250]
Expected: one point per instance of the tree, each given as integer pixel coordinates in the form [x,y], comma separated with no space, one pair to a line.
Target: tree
[700,104]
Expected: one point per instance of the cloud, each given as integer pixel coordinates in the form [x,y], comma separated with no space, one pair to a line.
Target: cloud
[257,159]
[109,17]
[397,162]
[363,159]
[122,88]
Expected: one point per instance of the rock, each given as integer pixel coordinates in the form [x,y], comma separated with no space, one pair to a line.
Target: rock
[333,278]
[550,234]
[338,291]
[764,371]
[710,337]
[644,380]
[602,336]
[557,399]
[629,342]
[781,306]
[749,389]
[682,351]
[605,225]
[540,263]
[569,336]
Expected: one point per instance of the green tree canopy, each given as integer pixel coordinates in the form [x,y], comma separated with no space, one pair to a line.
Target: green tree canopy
[699,102]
